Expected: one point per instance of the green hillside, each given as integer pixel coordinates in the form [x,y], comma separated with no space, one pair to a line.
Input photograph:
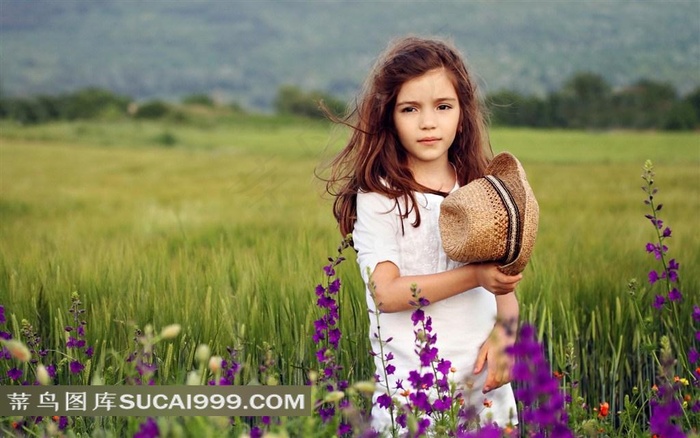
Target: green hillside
[244,50]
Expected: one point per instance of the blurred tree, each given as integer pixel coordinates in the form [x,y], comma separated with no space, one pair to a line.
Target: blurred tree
[198,99]
[154,109]
[292,100]
[585,101]
[693,99]
[644,105]
[91,103]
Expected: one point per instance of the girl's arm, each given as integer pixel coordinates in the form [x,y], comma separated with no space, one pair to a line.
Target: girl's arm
[393,292]
[493,352]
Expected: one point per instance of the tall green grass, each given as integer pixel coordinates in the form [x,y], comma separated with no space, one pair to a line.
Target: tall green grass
[225,230]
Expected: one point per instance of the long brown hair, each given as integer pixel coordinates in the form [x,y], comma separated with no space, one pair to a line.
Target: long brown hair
[373,159]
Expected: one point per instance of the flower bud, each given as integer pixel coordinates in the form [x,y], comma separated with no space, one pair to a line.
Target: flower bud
[203,353]
[193,378]
[333,397]
[18,350]
[365,387]
[215,364]
[313,376]
[42,375]
[170,331]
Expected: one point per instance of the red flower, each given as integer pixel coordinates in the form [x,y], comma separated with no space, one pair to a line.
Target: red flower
[604,410]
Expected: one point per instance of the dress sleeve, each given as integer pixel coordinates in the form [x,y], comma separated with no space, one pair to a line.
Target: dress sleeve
[376,232]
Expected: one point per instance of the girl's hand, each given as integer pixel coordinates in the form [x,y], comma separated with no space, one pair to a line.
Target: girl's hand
[492,279]
[498,362]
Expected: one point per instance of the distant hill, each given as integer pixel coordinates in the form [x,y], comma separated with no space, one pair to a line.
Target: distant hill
[244,50]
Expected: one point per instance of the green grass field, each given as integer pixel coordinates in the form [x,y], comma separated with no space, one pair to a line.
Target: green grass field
[223,228]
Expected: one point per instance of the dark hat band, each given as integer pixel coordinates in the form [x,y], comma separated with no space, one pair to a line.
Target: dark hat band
[514,238]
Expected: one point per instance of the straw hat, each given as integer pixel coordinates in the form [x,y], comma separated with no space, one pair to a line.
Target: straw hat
[493,218]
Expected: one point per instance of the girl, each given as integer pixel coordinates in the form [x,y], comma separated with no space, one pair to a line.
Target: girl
[419,134]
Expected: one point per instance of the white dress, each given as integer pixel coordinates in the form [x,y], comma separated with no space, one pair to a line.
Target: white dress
[462,322]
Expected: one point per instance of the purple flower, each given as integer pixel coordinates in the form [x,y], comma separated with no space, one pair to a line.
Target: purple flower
[74,343]
[674,295]
[421,401]
[5,335]
[14,374]
[419,381]
[334,337]
[344,429]
[444,366]
[384,401]
[326,412]
[427,355]
[256,432]
[334,287]
[667,232]
[659,301]
[401,420]
[320,325]
[76,367]
[148,429]
[696,313]
[328,269]
[693,355]
[390,369]
[417,316]
[423,425]
[325,302]
[487,431]
[653,277]
[442,404]
[2,315]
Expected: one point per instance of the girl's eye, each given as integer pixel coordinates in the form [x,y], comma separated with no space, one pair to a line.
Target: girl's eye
[444,106]
[407,109]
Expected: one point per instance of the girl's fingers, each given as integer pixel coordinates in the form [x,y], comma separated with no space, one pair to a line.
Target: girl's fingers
[481,358]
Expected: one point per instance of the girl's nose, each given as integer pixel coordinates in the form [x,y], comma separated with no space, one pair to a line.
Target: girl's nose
[427,120]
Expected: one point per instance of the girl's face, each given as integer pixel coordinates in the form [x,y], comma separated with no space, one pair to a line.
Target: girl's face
[426,117]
